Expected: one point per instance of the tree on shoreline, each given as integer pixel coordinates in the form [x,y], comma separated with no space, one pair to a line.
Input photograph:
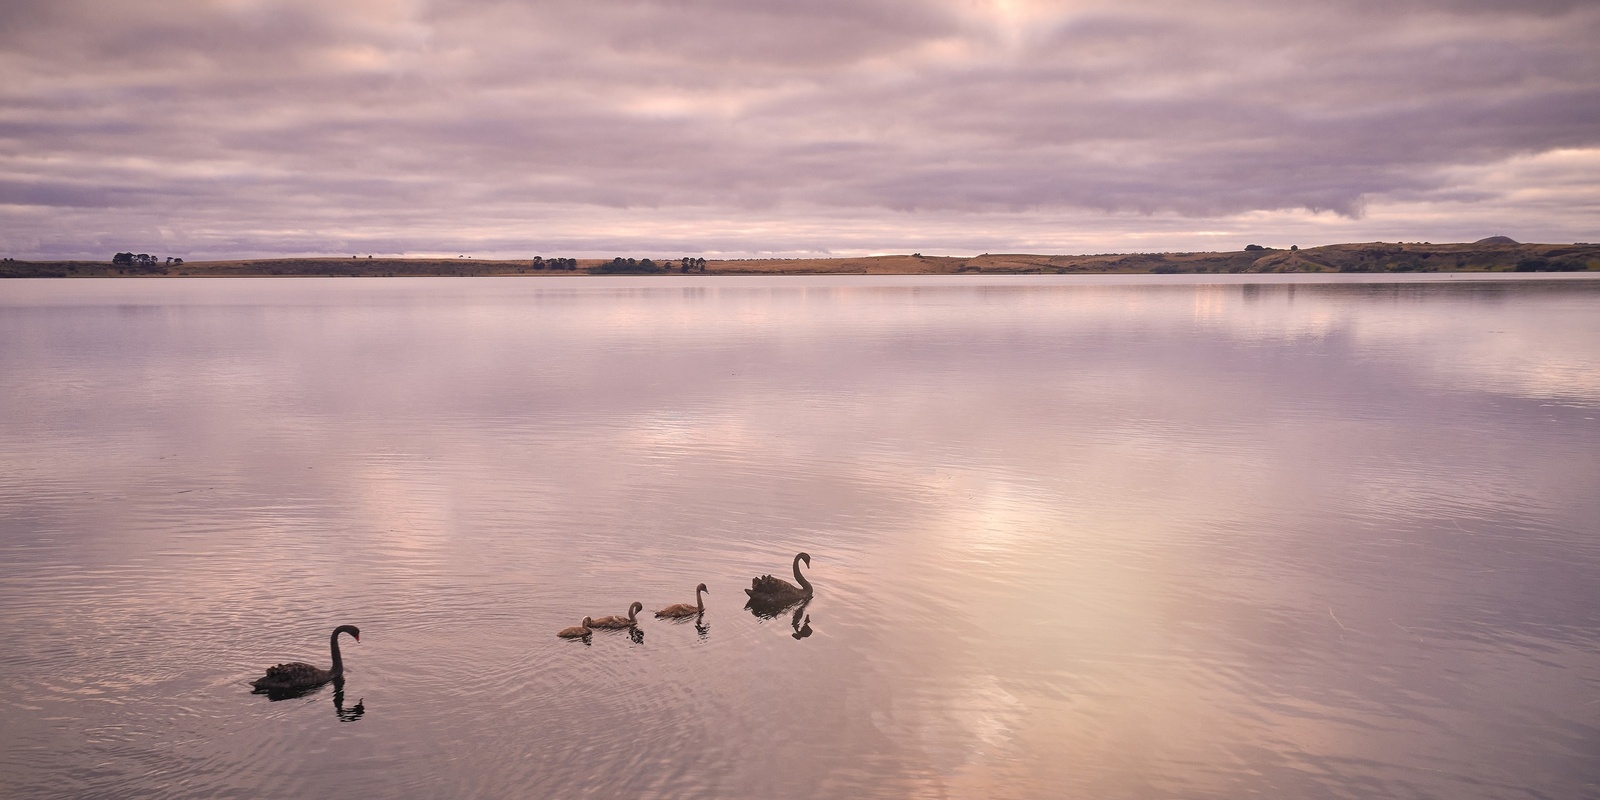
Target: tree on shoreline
[1541,264]
[632,266]
[141,261]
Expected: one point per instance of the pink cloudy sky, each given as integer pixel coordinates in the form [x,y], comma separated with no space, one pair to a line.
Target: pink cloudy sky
[208,128]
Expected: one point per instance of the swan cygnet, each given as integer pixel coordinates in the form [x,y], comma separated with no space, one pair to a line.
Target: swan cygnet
[614,621]
[681,610]
[769,590]
[577,631]
[297,675]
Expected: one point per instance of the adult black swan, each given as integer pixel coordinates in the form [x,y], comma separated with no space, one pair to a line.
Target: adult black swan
[769,591]
[296,676]
[680,610]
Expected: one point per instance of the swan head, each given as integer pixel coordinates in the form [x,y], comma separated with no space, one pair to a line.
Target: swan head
[806,557]
[702,588]
[588,622]
[355,633]
[635,608]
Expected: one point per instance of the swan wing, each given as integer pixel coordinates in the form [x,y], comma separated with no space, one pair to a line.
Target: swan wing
[291,674]
[766,584]
[294,669]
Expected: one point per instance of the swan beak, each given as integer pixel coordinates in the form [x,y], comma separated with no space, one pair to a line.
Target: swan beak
[358,637]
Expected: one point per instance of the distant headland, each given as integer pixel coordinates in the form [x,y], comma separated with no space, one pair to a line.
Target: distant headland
[1494,254]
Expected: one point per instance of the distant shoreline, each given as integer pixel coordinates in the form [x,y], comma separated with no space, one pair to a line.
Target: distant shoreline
[1373,257]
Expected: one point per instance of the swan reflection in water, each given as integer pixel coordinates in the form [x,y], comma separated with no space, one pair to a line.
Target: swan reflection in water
[699,620]
[764,609]
[801,631]
[350,714]
[799,620]
[345,713]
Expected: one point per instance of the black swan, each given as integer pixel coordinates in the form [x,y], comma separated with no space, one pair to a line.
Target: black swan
[295,676]
[767,590]
[619,622]
[577,631]
[684,609]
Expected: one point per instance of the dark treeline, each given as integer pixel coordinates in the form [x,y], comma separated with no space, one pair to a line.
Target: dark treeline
[646,266]
[1537,264]
[143,262]
[568,264]
[1375,257]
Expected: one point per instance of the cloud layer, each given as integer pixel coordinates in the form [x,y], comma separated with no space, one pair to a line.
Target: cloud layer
[241,127]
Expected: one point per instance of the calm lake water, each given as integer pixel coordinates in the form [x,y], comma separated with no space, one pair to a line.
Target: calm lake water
[1071,538]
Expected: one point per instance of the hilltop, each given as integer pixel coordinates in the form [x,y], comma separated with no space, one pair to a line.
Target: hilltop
[1490,255]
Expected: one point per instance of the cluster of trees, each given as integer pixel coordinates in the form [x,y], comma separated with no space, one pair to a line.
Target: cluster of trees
[568,264]
[1403,265]
[143,261]
[628,265]
[140,260]
[646,266]
[1537,264]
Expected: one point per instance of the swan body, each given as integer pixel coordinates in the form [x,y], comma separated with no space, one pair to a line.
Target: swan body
[767,589]
[680,610]
[577,631]
[298,675]
[614,621]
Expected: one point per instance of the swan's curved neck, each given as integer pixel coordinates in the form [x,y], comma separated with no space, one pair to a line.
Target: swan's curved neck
[700,600]
[338,662]
[801,579]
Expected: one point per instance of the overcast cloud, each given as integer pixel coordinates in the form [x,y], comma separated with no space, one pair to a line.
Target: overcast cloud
[594,127]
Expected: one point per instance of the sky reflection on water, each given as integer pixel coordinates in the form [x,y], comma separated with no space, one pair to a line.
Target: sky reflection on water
[1070,538]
